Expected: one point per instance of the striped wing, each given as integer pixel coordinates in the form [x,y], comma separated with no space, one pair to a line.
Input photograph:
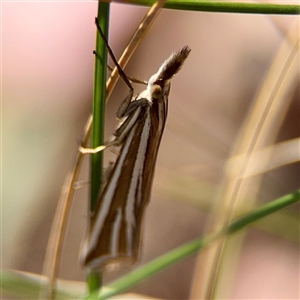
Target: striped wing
[116,227]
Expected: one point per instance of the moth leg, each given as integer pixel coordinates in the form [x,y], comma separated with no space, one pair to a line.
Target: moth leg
[80,184]
[131,79]
[120,134]
[124,105]
[110,142]
[132,114]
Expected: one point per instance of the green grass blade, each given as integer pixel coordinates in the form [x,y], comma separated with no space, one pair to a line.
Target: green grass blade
[227,7]
[263,211]
[94,279]
[98,109]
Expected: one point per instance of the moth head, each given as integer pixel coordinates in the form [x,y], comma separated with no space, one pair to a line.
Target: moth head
[156,91]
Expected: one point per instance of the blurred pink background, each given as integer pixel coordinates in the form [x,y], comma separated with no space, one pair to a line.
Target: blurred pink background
[47,73]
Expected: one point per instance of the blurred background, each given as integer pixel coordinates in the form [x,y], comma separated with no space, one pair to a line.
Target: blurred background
[47,73]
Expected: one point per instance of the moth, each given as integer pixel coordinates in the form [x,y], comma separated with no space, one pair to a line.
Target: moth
[115,228]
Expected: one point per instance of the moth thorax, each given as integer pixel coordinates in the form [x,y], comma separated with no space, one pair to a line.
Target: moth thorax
[156,91]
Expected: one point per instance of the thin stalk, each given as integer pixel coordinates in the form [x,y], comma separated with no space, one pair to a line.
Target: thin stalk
[98,109]
[225,7]
[94,279]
